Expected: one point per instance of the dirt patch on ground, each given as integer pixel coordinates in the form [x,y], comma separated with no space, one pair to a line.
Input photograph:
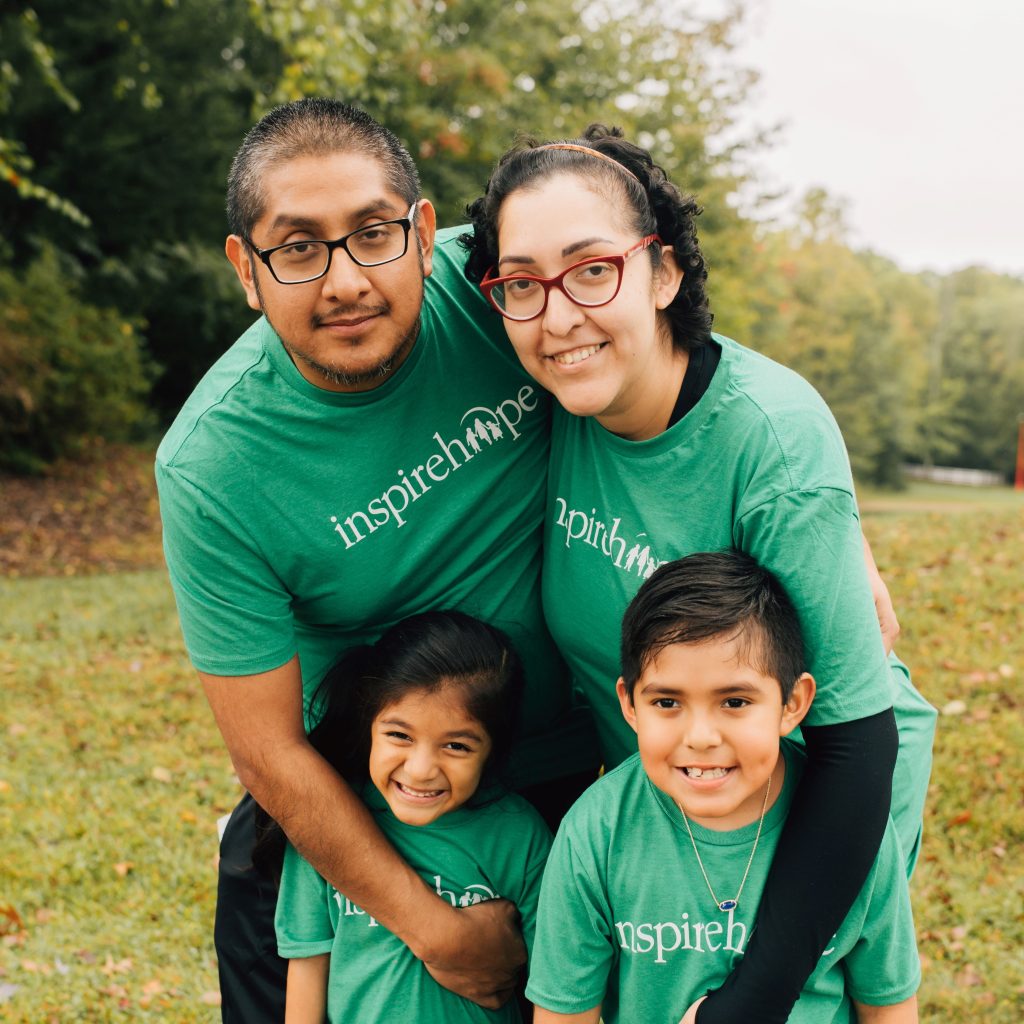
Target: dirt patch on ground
[97,513]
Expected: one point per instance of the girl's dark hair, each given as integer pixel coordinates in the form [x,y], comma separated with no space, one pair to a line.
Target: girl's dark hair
[427,653]
[655,206]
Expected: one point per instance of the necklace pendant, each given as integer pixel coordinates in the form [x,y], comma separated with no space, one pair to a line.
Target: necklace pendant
[726,905]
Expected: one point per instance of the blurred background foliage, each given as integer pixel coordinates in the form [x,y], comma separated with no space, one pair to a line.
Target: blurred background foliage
[118,122]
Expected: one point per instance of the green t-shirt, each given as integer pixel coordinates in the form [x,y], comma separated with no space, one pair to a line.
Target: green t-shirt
[759,465]
[626,919]
[468,856]
[303,520]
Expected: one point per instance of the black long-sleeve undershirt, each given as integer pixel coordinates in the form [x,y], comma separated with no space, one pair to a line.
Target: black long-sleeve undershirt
[827,847]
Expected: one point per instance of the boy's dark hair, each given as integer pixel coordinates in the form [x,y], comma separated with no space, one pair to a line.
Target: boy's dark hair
[314,126]
[708,596]
[428,653]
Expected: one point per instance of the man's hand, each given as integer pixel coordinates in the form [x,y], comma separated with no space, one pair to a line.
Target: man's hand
[477,952]
[887,620]
[690,1017]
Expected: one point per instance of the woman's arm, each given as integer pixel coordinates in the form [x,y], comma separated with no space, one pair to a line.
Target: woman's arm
[900,1013]
[307,990]
[817,871]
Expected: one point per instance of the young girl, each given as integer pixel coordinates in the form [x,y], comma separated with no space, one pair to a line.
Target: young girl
[421,721]
[671,439]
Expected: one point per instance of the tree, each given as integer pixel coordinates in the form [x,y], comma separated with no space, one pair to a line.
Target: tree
[458,80]
[165,91]
[979,362]
[16,166]
[68,370]
[856,327]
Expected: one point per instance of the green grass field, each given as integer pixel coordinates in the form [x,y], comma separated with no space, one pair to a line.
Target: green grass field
[112,776]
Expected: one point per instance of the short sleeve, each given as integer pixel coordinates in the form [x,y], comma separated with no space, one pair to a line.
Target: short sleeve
[537,847]
[302,920]
[811,540]
[883,967]
[235,613]
[573,951]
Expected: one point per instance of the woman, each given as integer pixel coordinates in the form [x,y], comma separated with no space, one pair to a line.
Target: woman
[675,440]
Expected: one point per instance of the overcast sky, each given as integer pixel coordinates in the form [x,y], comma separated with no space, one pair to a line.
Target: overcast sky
[912,110]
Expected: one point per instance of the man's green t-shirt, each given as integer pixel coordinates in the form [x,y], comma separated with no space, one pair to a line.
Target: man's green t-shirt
[303,520]
[626,919]
[470,855]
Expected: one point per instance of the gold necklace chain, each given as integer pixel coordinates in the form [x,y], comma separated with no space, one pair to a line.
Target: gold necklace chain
[726,905]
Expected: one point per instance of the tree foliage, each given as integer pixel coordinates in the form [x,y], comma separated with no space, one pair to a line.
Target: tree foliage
[916,367]
[977,367]
[165,91]
[16,166]
[458,80]
[118,122]
[68,370]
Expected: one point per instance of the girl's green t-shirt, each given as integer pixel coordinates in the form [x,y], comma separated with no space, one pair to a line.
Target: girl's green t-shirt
[473,854]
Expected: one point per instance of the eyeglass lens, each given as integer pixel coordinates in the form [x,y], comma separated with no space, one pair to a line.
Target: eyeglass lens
[303,261]
[589,285]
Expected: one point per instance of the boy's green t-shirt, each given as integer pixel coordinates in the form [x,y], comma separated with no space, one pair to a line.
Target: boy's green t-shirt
[759,465]
[467,856]
[626,919]
[300,520]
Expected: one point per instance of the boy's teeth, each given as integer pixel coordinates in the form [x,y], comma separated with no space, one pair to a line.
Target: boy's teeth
[706,773]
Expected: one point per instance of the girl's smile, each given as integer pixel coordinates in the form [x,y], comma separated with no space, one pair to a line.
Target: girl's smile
[427,755]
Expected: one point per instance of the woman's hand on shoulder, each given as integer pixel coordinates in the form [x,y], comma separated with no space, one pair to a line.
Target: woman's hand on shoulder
[884,609]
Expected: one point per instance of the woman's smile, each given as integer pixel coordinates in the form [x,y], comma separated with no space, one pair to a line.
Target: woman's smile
[575,356]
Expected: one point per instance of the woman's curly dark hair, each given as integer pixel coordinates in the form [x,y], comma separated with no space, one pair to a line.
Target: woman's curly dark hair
[656,207]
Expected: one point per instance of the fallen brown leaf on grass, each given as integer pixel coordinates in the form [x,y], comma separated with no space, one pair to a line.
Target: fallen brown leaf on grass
[112,966]
[10,921]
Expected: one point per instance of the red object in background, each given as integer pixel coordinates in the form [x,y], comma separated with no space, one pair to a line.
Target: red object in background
[1019,481]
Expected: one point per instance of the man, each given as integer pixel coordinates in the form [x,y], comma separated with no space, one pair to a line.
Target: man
[368,449]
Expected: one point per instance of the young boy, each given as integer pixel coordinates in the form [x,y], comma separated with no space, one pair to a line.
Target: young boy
[652,886]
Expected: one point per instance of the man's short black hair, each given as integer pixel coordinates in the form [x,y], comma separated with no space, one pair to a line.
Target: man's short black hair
[315,126]
[709,596]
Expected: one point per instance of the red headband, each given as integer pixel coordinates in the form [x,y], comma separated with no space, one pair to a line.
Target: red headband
[590,152]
